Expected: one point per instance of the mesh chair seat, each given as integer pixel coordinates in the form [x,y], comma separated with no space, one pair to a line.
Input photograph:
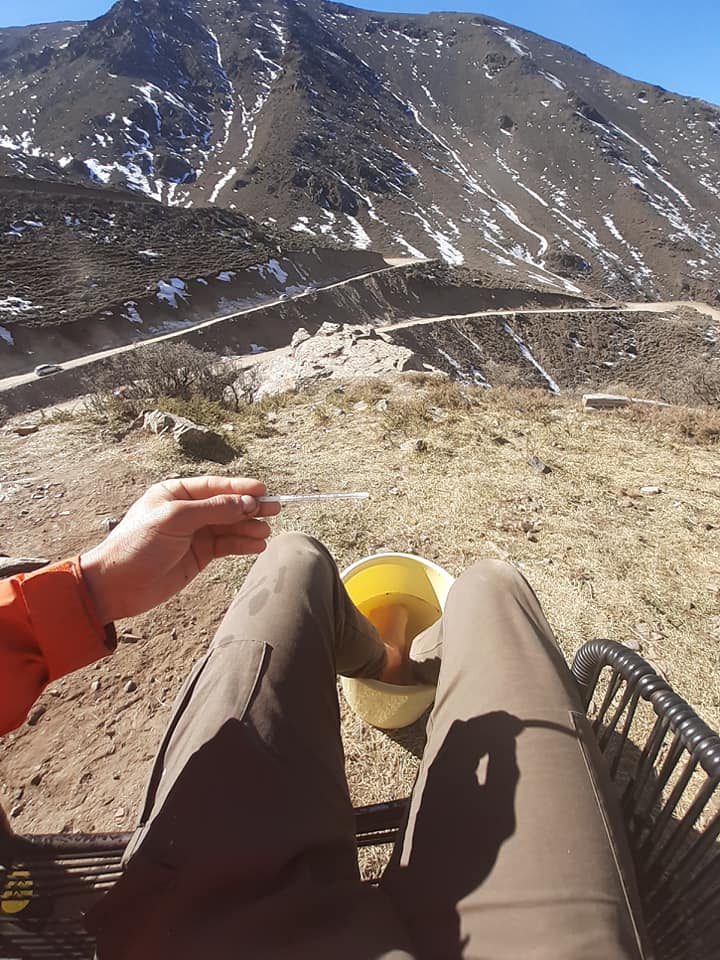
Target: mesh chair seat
[663,759]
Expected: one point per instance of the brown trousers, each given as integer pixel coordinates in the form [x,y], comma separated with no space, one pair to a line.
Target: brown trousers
[512,849]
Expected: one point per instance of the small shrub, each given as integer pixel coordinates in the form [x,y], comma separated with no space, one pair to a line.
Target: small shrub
[407,415]
[420,378]
[106,406]
[699,425]
[176,370]
[274,402]
[322,414]
[206,413]
[706,384]
[448,394]
[370,390]
[58,416]
[4,413]
[523,400]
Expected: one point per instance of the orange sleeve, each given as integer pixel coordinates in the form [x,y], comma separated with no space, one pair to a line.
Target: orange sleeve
[48,627]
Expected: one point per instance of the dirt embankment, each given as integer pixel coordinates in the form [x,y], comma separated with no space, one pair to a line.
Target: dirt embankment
[74,254]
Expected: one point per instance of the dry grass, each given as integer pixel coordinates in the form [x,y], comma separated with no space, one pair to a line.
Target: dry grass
[604,559]
[699,425]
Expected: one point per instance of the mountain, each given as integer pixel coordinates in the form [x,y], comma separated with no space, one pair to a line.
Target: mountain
[451,135]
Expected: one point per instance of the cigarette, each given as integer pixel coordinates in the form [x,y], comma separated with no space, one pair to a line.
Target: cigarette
[307,497]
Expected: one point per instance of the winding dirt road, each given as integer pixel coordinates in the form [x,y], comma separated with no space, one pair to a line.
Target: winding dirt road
[393,264]
[246,362]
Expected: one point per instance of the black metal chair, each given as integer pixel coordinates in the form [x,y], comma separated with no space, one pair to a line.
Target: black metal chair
[664,760]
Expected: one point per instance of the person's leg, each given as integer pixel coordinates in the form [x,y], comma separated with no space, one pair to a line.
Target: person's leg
[246,843]
[512,848]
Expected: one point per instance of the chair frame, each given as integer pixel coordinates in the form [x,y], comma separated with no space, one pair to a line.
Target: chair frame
[677,864]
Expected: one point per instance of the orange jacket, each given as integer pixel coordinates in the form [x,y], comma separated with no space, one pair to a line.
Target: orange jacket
[48,627]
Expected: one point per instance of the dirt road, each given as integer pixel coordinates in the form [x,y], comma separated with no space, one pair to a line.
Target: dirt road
[393,264]
[659,307]
[714,312]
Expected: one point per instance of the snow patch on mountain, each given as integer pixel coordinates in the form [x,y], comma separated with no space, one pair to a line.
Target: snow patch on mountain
[131,313]
[16,306]
[273,268]
[357,232]
[527,353]
[171,292]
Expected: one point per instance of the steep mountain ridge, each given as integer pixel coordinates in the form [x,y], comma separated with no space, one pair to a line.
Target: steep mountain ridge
[442,134]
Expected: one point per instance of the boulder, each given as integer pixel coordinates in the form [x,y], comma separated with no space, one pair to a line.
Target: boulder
[202,443]
[328,329]
[414,445]
[610,401]
[35,714]
[158,422]
[604,401]
[196,441]
[300,336]
[539,465]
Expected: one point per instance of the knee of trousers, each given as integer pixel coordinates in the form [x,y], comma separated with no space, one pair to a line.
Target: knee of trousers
[489,576]
[300,551]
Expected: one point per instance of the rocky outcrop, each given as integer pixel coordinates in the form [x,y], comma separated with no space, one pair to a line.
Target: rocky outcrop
[341,351]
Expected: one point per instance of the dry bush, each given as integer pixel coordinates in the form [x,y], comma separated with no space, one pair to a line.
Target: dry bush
[522,400]
[345,394]
[176,370]
[322,414]
[101,404]
[197,408]
[451,395]
[706,384]
[370,390]
[407,415]
[411,413]
[57,416]
[420,378]
[700,425]
[4,413]
[621,389]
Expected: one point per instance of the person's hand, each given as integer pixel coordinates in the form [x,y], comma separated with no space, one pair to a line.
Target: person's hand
[168,536]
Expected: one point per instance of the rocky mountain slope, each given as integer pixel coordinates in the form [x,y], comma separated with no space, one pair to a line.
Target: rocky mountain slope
[446,134]
[101,266]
